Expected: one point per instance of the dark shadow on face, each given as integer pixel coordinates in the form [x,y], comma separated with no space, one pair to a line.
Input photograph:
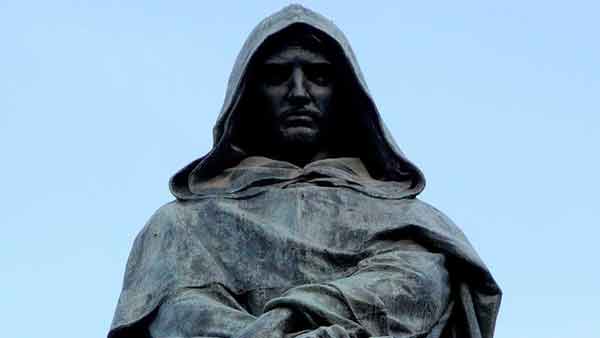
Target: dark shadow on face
[295,88]
[295,104]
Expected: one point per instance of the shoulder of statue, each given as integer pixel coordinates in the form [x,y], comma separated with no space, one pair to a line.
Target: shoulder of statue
[174,215]
[424,207]
[164,219]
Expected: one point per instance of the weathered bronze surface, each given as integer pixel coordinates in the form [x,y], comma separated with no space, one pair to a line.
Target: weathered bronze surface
[303,220]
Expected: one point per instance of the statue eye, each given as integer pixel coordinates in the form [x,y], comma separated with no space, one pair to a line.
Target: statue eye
[319,73]
[275,74]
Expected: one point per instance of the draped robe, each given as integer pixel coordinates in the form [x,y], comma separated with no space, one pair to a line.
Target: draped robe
[350,254]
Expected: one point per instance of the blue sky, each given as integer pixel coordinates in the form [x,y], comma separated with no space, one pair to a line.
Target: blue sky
[101,101]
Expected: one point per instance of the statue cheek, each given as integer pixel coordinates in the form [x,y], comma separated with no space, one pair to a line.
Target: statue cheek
[324,102]
[324,94]
[274,95]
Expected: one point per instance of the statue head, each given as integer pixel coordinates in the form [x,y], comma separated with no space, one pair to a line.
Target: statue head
[294,91]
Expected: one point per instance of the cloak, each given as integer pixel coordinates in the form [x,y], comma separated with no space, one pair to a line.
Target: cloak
[343,241]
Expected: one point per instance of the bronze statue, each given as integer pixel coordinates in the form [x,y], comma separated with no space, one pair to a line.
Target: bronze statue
[303,220]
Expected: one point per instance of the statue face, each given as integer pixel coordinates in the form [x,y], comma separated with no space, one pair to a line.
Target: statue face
[296,86]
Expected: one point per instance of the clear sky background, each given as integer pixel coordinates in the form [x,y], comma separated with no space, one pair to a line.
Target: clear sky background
[102,101]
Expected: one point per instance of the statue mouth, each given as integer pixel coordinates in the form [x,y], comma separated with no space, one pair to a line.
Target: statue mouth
[299,121]
[300,118]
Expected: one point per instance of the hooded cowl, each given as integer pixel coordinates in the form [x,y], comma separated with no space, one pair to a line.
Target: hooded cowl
[386,160]
[342,241]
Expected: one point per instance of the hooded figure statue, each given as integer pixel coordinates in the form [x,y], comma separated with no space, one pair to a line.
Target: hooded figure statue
[263,241]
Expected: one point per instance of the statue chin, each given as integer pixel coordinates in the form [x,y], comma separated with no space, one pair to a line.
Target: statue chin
[299,136]
[298,144]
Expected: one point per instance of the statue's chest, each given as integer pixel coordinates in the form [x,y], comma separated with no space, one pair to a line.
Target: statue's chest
[283,237]
[333,217]
[336,218]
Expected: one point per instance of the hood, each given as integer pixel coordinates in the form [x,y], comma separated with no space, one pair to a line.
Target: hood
[381,155]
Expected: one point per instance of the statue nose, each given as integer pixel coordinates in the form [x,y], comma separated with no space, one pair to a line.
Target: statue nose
[298,93]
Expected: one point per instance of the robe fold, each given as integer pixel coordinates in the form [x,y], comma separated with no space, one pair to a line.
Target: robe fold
[326,240]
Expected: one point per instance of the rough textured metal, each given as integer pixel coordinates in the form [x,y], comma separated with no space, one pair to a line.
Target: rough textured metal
[255,247]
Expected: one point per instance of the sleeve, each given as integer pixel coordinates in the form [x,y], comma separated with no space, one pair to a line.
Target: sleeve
[400,290]
[213,311]
[210,311]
